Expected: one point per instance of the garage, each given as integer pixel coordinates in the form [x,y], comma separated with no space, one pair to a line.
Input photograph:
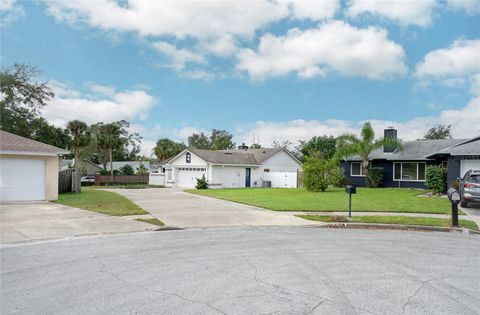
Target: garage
[186,177]
[466,165]
[28,169]
[22,179]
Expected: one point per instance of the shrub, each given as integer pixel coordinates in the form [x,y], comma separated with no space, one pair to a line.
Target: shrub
[141,170]
[317,173]
[127,170]
[436,179]
[338,178]
[375,177]
[202,183]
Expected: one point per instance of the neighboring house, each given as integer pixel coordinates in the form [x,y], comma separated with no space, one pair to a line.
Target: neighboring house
[232,168]
[134,164]
[86,167]
[28,169]
[406,167]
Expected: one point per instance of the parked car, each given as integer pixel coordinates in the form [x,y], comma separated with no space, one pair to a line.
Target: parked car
[88,179]
[470,188]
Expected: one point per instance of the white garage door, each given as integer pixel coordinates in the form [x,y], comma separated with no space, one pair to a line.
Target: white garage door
[187,177]
[22,180]
[466,165]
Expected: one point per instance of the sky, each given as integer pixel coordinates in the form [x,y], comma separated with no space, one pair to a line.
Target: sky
[263,70]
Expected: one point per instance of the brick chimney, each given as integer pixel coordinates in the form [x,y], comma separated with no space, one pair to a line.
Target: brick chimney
[391,133]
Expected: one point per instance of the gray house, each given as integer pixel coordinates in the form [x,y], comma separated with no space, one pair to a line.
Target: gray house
[406,167]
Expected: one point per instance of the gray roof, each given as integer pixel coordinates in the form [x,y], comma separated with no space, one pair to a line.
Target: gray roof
[468,147]
[413,150]
[13,144]
[134,164]
[235,157]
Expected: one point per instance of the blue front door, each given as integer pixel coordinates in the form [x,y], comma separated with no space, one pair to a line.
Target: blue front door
[247,177]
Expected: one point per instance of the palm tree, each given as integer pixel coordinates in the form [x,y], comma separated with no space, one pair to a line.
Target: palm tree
[350,145]
[80,137]
[110,137]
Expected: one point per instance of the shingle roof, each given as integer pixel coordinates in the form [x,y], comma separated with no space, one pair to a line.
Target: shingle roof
[11,143]
[468,147]
[234,157]
[412,150]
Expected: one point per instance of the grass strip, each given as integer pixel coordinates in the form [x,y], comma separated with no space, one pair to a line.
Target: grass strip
[153,221]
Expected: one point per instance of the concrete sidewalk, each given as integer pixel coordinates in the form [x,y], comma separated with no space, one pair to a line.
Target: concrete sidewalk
[177,208]
[45,220]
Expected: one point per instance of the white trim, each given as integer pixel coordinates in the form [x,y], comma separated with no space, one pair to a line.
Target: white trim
[361,169]
[239,165]
[31,153]
[401,172]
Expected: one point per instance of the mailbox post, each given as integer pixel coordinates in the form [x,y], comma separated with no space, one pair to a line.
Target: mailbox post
[350,189]
[454,197]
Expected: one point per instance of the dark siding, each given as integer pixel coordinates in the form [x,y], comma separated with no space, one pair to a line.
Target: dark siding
[388,175]
[453,169]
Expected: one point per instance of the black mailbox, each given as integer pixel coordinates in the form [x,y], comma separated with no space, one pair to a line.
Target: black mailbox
[350,189]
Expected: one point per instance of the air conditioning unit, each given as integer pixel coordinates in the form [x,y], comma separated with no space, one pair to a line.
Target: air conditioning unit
[266,184]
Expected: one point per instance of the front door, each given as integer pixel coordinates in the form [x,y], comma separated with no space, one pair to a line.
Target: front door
[247,177]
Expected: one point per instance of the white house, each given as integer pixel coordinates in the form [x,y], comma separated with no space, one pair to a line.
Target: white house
[275,167]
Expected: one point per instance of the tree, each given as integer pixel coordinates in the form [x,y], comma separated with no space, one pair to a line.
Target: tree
[127,169]
[42,131]
[221,140]
[142,170]
[439,132]
[80,137]
[318,173]
[350,145]
[166,148]
[111,137]
[199,141]
[23,97]
[321,147]
[255,146]
[281,144]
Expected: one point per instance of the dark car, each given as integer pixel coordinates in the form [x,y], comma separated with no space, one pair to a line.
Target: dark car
[470,188]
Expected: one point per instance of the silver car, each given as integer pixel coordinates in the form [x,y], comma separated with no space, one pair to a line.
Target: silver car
[470,188]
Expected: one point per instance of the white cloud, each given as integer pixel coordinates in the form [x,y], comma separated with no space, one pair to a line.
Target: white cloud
[459,60]
[475,85]
[403,12]
[101,90]
[314,9]
[10,11]
[181,19]
[334,46]
[471,7]
[69,104]
[223,46]
[179,57]
[464,124]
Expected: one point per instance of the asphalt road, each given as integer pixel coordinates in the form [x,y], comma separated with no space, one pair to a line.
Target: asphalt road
[284,270]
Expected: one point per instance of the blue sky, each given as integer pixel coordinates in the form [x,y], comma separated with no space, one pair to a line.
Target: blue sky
[264,70]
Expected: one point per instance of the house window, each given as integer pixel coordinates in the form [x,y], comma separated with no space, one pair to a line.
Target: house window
[445,164]
[356,168]
[188,157]
[409,171]
[267,170]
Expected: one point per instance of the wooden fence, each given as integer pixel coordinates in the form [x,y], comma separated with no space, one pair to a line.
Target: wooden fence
[68,181]
[121,179]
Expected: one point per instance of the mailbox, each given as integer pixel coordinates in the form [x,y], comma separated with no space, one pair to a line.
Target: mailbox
[454,195]
[350,189]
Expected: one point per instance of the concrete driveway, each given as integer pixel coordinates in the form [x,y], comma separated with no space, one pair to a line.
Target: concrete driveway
[473,212]
[46,220]
[177,208]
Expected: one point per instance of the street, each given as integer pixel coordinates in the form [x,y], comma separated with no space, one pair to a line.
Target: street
[245,270]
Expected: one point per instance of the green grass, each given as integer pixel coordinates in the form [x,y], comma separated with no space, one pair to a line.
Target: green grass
[153,221]
[396,220]
[334,199]
[100,201]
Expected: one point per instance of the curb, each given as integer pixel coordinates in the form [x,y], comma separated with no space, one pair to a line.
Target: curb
[401,227]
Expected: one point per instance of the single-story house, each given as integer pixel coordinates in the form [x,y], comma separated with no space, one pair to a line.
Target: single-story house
[86,167]
[405,167]
[269,167]
[134,164]
[28,169]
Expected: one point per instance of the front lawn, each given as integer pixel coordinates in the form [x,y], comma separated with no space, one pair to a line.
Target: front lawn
[395,220]
[334,199]
[100,201]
